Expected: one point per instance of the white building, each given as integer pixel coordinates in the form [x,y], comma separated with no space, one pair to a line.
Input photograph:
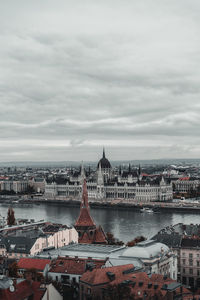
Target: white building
[17,186]
[104,184]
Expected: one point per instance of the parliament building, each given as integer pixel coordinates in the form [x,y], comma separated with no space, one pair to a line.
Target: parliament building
[105,184]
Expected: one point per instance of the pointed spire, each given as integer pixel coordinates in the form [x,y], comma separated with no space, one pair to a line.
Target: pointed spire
[139,170]
[82,171]
[104,153]
[84,218]
[120,170]
[129,168]
[99,175]
[84,201]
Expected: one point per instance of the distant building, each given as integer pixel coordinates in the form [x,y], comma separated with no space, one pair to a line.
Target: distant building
[186,184]
[156,257]
[67,270]
[29,240]
[105,184]
[151,256]
[184,240]
[17,186]
[190,261]
[138,285]
[38,184]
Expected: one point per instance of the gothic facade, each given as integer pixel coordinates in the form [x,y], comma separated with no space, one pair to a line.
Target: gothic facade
[105,184]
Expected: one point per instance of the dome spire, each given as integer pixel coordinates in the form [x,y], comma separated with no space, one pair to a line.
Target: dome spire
[104,152]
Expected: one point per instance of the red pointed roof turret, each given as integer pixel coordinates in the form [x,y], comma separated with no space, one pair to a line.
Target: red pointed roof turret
[84,218]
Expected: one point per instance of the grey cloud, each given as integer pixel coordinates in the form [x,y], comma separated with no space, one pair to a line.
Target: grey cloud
[109,72]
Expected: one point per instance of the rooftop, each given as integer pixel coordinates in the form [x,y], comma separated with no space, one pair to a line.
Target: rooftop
[72,265]
[33,263]
[146,250]
[93,248]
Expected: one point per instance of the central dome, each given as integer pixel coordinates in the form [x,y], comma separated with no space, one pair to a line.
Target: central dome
[104,162]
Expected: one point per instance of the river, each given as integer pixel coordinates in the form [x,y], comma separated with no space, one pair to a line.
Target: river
[124,224]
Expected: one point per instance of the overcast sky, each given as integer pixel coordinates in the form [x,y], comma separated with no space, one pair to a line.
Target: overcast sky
[79,75]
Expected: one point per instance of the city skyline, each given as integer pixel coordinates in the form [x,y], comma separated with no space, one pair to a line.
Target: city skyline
[77,76]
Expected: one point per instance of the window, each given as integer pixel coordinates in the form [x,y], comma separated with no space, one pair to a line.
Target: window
[191,271]
[184,280]
[183,270]
[198,272]
[197,263]
[191,262]
[190,255]
[183,261]
[89,291]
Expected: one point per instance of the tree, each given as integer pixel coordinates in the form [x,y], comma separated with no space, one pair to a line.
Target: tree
[137,240]
[11,217]
[112,240]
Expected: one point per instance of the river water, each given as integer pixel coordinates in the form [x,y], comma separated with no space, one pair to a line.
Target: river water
[124,224]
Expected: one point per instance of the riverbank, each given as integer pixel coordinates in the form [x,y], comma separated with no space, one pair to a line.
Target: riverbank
[181,206]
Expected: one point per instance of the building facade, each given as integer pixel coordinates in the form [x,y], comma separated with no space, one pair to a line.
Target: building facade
[105,184]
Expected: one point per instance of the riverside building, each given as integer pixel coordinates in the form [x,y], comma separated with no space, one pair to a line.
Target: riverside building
[102,184]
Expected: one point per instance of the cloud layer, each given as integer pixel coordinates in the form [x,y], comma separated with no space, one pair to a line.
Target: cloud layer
[77,75]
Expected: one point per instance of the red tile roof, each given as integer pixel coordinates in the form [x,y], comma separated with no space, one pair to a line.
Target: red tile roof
[184,178]
[71,265]
[99,276]
[33,263]
[84,218]
[23,290]
[100,236]
[140,283]
[85,238]
[142,287]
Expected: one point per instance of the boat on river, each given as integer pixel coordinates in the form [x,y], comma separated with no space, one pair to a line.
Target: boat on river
[146,210]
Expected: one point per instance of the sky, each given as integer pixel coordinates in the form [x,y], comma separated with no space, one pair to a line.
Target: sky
[79,75]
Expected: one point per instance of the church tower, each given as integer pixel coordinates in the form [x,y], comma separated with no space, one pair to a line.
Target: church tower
[88,232]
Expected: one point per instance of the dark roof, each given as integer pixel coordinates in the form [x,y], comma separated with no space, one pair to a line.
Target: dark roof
[57,179]
[104,162]
[20,244]
[190,242]
[171,286]
[171,240]
[133,173]
[38,179]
